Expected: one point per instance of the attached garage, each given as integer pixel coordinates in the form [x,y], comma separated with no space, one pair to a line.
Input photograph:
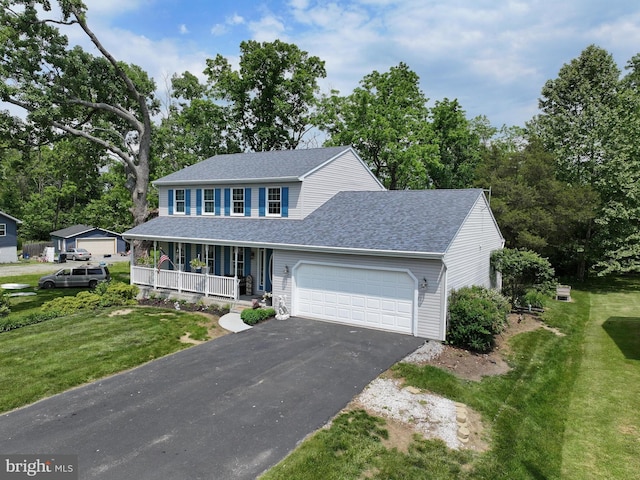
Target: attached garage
[367,297]
[98,246]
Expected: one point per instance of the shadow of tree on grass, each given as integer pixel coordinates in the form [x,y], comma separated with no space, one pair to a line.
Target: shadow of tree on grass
[625,332]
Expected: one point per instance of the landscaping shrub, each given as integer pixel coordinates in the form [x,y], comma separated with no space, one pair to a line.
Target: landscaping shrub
[7,324]
[116,293]
[476,316]
[106,294]
[253,316]
[523,270]
[534,298]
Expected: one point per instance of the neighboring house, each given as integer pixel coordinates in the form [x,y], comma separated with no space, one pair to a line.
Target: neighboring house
[8,238]
[317,228]
[98,241]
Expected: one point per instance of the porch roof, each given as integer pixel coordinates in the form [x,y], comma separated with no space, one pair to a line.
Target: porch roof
[408,223]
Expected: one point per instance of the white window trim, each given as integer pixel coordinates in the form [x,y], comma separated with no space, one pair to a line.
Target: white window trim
[213,202]
[175,201]
[268,201]
[3,229]
[233,203]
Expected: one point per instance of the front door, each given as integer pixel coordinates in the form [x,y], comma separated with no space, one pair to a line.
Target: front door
[265,269]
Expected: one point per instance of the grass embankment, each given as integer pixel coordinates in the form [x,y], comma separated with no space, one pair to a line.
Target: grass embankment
[40,360]
[540,416]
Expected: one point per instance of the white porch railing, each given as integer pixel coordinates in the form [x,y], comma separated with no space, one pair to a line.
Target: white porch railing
[215,285]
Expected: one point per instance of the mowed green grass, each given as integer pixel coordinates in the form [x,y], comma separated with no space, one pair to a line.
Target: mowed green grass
[602,438]
[566,410]
[50,357]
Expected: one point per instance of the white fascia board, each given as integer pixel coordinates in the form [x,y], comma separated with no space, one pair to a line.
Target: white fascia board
[229,181]
[301,248]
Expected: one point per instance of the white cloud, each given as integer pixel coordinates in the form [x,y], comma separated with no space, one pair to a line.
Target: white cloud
[183,29]
[267,29]
[219,29]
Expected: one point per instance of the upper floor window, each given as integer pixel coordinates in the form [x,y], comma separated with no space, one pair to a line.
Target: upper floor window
[209,201]
[3,229]
[180,201]
[274,201]
[238,201]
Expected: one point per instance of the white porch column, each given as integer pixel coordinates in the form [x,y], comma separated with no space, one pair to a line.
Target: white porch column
[155,265]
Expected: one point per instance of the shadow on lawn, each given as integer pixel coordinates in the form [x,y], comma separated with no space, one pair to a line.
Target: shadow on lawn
[625,331]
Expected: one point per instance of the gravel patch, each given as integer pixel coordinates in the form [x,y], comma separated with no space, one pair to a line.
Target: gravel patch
[430,415]
[428,351]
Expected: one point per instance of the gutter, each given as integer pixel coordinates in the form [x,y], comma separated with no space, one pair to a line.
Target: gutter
[235,181]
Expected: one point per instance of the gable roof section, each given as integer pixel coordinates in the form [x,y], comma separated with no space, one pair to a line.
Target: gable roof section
[410,223]
[76,230]
[10,217]
[280,165]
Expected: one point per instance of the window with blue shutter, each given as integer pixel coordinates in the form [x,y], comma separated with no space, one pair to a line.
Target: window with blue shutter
[247,202]
[217,261]
[227,202]
[247,261]
[261,201]
[199,201]
[227,260]
[171,256]
[187,202]
[170,199]
[187,257]
[285,201]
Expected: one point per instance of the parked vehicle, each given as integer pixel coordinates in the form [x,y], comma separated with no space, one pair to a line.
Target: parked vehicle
[77,254]
[84,276]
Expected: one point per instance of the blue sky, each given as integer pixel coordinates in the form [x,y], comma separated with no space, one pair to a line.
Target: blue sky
[492,55]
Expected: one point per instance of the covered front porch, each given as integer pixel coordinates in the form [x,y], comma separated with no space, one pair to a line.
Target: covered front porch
[219,271]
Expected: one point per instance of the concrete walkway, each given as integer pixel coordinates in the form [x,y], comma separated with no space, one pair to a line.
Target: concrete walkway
[232,322]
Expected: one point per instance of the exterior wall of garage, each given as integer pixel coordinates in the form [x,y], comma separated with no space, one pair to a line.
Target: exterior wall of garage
[468,257]
[430,303]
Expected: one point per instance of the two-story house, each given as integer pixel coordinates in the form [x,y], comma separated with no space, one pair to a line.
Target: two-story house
[318,230]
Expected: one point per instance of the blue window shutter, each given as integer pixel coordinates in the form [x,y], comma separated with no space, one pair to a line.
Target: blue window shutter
[285,201]
[227,202]
[170,255]
[216,262]
[216,199]
[247,202]
[247,261]
[261,201]
[187,202]
[170,194]
[199,201]
[187,257]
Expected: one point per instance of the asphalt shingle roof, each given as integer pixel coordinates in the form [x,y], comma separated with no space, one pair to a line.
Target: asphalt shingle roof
[424,221]
[253,166]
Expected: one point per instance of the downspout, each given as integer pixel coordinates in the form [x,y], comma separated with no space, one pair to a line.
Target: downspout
[236,282]
[445,300]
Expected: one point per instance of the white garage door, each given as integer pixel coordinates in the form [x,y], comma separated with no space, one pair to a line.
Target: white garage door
[355,296]
[98,246]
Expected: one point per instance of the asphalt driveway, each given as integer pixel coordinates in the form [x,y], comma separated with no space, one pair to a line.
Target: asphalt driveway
[227,409]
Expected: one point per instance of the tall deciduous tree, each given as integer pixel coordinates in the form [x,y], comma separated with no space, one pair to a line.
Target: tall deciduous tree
[68,90]
[458,145]
[271,96]
[386,120]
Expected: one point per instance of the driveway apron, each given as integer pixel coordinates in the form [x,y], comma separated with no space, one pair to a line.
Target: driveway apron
[227,409]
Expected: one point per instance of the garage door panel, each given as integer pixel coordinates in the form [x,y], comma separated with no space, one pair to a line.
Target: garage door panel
[358,296]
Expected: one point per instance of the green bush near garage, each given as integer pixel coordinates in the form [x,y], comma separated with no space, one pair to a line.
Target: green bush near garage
[253,316]
[476,316]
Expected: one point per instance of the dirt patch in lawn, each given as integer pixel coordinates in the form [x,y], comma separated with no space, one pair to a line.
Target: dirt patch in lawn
[473,366]
[214,330]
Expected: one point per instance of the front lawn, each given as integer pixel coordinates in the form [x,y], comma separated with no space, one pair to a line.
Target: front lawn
[48,358]
[567,409]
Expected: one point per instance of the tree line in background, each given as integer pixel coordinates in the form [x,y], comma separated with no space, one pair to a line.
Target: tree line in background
[565,185]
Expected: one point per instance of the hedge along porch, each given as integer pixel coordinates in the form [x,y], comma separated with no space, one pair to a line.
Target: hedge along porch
[223,271]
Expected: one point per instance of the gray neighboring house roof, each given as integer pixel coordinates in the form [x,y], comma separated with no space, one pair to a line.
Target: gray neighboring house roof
[10,217]
[418,222]
[76,230]
[289,165]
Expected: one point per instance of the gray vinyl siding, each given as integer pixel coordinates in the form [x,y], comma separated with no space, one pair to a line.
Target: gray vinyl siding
[430,305]
[344,173]
[468,257]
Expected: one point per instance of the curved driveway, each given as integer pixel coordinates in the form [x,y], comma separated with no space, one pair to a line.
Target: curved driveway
[227,409]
